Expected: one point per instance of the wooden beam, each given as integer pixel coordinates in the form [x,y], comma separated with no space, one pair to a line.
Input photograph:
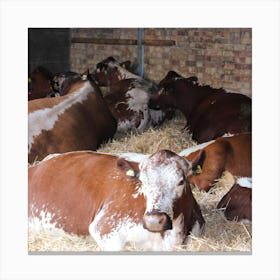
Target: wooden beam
[106,41]
[162,43]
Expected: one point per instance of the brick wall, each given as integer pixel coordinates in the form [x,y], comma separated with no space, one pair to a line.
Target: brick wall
[221,57]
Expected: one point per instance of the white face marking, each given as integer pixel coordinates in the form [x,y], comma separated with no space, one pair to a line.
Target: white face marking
[162,183]
[244,182]
[45,119]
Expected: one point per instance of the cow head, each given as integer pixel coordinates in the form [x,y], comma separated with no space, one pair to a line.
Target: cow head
[39,83]
[166,96]
[109,71]
[164,185]
[62,81]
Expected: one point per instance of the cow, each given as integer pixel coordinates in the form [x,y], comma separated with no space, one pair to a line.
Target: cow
[116,201]
[210,112]
[211,159]
[127,96]
[77,121]
[237,203]
[64,82]
[109,71]
[39,83]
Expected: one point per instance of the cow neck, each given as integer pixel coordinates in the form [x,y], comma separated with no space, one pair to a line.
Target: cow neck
[189,96]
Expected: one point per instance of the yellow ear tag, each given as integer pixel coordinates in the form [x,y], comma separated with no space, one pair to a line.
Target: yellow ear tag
[130,173]
[123,66]
[198,170]
[84,77]
[29,80]
[55,86]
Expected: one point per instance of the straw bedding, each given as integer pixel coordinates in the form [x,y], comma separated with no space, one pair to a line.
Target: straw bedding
[220,235]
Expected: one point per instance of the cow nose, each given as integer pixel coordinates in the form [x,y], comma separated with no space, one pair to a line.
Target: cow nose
[156,221]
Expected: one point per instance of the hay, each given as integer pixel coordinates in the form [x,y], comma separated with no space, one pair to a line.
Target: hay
[220,235]
[170,135]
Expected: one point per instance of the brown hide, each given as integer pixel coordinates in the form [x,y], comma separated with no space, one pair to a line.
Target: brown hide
[237,203]
[83,126]
[74,187]
[233,154]
[39,83]
[210,112]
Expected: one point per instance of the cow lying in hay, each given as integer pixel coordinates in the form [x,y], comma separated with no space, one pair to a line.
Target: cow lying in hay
[210,112]
[212,158]
[115,200]
[79,120]
[237,203]
[127,96]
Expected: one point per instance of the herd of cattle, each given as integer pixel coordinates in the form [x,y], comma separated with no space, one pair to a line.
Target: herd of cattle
[122,198]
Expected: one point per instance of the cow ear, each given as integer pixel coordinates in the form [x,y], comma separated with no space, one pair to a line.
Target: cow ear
[196,159]
[131,169]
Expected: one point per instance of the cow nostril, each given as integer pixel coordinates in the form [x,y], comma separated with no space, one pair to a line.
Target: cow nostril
[157,222]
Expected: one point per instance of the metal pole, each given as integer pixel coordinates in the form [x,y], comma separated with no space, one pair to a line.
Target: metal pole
[140,52]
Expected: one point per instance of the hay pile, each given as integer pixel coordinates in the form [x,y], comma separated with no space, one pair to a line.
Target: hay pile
[220,235]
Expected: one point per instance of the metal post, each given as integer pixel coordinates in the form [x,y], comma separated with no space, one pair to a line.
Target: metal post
[140,52]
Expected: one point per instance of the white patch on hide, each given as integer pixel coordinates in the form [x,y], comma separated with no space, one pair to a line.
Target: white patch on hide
[137,101]
[122,73]
[190,150]
[228,134]
[133,156]
[45,119]
[244,182]
[43,222]
[51,156]
[127,233]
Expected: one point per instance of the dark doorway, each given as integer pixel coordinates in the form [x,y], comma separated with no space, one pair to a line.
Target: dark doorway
[49,47]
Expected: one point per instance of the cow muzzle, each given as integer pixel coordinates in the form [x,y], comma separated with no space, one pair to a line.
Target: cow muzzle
[156,221]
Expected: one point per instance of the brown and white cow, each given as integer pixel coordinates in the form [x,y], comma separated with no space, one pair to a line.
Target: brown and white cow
[116,201]
[77,121]
[237,203]
[39,83]
[211,159]
[210,112]
[64,82]
[128,96]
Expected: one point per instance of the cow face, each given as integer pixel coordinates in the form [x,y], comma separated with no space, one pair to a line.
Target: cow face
[61,80]
[109,71]
[167,94]
[164,98]
[163,184]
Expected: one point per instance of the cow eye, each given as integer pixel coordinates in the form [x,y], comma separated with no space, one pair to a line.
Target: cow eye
[181,182]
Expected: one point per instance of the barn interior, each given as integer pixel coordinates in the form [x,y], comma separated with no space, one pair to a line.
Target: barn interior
[220,57]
